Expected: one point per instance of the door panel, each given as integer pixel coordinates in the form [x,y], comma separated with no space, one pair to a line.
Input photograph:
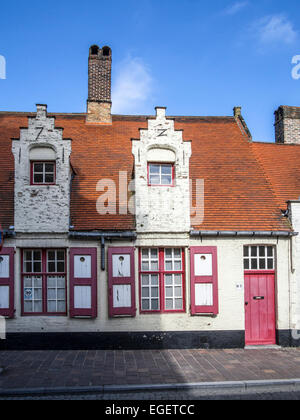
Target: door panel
[260,309]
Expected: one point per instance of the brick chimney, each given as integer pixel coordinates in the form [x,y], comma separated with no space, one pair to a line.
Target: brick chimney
[287,125]
[99,99]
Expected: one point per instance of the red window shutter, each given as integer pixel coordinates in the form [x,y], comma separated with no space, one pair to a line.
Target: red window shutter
[83,282]
[204,281]
[121,278]
[7,282]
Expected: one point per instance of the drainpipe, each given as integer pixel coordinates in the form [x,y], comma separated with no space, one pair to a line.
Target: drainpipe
[102,236]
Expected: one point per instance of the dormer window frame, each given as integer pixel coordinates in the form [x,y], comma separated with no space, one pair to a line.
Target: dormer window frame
[161,164]
[44,172]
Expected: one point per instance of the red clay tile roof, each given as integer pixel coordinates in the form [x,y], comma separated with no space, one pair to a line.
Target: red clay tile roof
[281,166]
[237,194]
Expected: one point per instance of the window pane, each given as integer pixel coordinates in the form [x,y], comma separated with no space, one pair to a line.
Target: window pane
[38,167]
[60,267]
[177,253]
[166,170]
[28,306]
[60,255]
[61,306]
[246,264]
[178,291]
[37,267]
[262,251]
[154,292]
[169,304]
[37,255]
[154,169]
[52,294]
[154,180]
[169,266]
[270,251]
[52,306]
[168,280]
[178,304]
[246,251]
[166,180]
[155,304]
[145,253]
[145,280]
[177,266]
[145,304]
[38,307]
[49,179]
[253,264]
[145,266]
[270,264]
[145,292]
[51,267]
[51,255]
[38,179]
[178,279]
[262,264]
[168,253]
[154,266]
[49,167]
[169,291]
[154,280]
[253,251]
[61,294]
[154,253]
[28,267]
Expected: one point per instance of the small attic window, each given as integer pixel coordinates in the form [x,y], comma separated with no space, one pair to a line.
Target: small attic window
[106,51]
[94,50]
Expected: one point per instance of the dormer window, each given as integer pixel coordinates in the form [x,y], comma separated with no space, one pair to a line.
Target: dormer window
[161,174]
[43,173]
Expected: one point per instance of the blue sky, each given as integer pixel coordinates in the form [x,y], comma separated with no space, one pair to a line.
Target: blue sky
[193,56]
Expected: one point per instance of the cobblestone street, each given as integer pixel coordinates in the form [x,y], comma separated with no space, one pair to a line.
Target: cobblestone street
[50,369]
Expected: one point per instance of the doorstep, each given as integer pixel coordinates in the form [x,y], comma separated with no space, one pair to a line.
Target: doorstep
[262,347]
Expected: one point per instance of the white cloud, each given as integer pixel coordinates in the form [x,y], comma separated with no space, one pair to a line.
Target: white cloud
[133,86]
[274,29]
[236,7]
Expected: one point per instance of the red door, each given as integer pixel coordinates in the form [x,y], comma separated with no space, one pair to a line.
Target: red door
[260,308]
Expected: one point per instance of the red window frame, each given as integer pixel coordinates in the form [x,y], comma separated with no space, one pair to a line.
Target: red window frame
[161,281]
[162,164]
[213,280]
[32,163]
[9,312]
[44,274]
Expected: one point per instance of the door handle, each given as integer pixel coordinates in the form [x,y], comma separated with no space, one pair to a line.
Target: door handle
[246,303]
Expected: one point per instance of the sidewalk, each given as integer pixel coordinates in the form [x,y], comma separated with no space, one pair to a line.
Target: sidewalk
[70,369]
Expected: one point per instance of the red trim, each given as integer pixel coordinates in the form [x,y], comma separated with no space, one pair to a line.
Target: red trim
[44,274]
[32,174]
[92,282]
[161,276]
[122,281]
[1,237]
[161,185]
[214,309]
[9,313]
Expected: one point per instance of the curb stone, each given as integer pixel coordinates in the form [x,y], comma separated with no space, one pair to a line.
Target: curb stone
[106,389]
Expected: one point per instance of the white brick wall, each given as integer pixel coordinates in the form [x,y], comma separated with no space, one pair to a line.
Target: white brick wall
[42,208]
[162,209]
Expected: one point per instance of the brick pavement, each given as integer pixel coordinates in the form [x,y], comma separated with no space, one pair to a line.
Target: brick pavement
[35,369]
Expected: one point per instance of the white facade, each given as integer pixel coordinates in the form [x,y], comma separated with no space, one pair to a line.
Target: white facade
[42,208]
